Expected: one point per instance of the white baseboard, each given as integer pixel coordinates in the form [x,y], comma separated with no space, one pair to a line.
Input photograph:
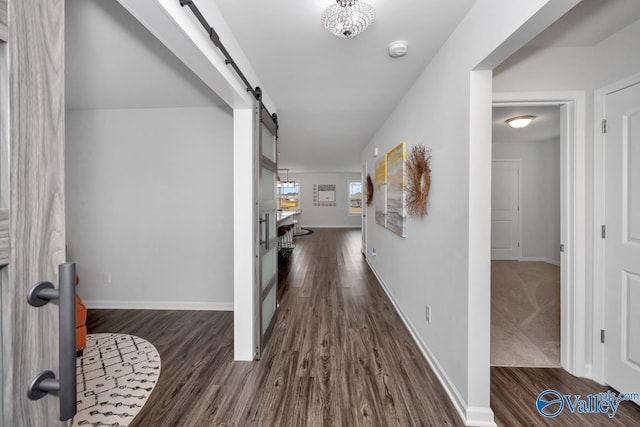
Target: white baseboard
[472,416]
[539,259]
[159,305]
[479,417]
[330,226]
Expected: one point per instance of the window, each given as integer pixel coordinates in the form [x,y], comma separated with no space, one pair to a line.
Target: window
[355,198]
[289,195]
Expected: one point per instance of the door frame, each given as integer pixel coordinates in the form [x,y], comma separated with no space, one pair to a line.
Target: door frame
[519,231]
[598,318]
[363,218]
[574,333]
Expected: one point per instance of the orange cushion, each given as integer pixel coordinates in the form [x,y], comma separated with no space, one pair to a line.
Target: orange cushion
[81,312]
[81,329]
[81,337]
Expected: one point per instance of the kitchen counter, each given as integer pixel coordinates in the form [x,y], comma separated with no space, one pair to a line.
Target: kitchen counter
[284,217]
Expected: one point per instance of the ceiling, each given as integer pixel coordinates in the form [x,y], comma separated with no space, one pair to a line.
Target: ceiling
[331,94]
[544,127]
[590,22]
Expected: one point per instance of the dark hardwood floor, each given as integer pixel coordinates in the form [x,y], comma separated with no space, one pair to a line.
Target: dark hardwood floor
[339,355]
[514,392]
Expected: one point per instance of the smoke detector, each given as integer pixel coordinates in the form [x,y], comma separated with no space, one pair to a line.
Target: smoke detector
[398,48]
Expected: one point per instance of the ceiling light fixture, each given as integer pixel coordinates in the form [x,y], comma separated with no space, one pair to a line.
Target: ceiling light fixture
[520,121]
[348,18]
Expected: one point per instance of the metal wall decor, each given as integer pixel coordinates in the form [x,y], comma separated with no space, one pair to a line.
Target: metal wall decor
[370,190]
[419,180]
[324,195]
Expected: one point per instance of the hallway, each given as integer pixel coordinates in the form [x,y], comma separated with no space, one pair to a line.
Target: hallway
[339,356]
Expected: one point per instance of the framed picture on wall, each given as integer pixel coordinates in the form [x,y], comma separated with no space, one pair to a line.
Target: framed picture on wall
[326,193]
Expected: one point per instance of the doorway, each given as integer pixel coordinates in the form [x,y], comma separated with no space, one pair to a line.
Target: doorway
[525,231]
[571,106]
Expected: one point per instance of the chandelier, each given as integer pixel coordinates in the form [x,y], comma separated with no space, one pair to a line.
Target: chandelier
[348,18]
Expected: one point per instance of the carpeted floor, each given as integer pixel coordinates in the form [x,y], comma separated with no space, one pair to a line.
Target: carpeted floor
[116,375]
[525,314]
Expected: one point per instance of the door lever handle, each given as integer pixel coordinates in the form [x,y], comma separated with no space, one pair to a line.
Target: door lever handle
[265,221]
[46,381]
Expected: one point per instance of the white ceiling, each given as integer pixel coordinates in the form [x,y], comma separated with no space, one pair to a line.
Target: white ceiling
[544,127]
[590,22]
[332,94]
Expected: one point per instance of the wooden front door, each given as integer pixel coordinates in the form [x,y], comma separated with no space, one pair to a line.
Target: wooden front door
[32,237]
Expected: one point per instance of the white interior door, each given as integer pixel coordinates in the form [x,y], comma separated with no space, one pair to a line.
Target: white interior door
[505,210]
[267,240]
[622,247]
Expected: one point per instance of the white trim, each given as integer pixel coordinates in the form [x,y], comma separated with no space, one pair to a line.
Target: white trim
[479,417]
[598,244]
[471,416]
[363,218]
[573,333]
[158,305]
[599,219]
[299,184]
[362,201]
[478,272]
[539,259]
[244,231]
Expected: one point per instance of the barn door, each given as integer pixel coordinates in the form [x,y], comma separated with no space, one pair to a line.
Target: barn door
[266,240]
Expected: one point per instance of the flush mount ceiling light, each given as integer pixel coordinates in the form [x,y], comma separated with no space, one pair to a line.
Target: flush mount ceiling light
[348,18]
[520,121]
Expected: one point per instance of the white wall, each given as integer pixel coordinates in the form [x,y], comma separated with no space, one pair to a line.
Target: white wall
[333,216]
[571,68]
[149,200]
[540,177]
[444,260]
[585,69]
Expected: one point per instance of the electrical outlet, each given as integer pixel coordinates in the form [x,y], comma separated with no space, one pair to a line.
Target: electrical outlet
[106,278]
[428,313]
